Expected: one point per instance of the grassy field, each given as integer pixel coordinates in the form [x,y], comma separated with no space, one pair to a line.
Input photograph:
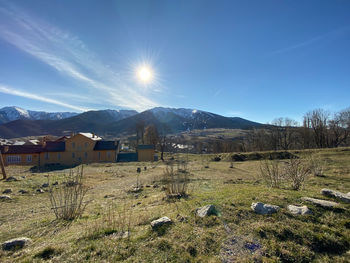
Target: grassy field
[236,235]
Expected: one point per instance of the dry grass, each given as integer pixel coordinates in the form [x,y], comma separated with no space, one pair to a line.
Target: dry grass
[95,237]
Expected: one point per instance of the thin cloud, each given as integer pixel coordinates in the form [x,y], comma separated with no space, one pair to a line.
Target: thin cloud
[12,91]
[69,56]
[311,41]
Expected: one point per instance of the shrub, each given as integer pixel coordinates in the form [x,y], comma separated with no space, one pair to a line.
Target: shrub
[316,165]
[296,171]
[176,179]
[67,199]
[271,173]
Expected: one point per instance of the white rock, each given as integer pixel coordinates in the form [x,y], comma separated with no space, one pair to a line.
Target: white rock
[338,195]
[16,243]
[299,210]
[264,209]
[320,202]
[160,222]
[5,198]
[207,211]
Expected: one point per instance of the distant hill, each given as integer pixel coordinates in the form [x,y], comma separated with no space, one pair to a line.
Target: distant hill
[115,123]
[13,113]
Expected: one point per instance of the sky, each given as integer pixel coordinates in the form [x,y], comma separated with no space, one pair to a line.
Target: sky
[255,59]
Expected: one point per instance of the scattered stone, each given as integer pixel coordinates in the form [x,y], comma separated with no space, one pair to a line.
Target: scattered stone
[338,195]
[16,243]
[207,211]
[299,210]
[164,188]
[136,190]
[320,202]
[147,185]
[5,198]
[7,191]
[109,196]
[23,177]
[23,191]
[155,186]
[55,183]
[40,191]
[264,209]
[207,166]
[11,179]
[45,185]
[161,222]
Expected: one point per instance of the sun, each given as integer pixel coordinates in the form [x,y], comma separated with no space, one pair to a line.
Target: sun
[145,74]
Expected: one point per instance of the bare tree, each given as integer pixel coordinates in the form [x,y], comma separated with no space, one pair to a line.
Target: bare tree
[2,167]
[140,130]
[318,120]
[151,135]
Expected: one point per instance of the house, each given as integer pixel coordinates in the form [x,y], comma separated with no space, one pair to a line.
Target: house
[145,152]
[72,150]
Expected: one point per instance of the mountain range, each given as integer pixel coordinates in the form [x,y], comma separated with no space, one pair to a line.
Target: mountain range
[17,122]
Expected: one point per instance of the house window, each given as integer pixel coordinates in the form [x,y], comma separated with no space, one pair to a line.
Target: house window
[46,156]
[99,155]
[73,155]
[86,155]
[58,156]
[14,159]
[29,158]
[73,145]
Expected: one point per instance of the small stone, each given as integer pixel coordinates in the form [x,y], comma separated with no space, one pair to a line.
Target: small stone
[338,195]
[11,179]
[264,209]
[45,185]
[320,202]
[299,210]
[148,186]
[136,190]
[16,243]
[5,198]
[155,186]
[23,191]
[161,222]
[55,183]
[7,191]
[40,191]
[207,211]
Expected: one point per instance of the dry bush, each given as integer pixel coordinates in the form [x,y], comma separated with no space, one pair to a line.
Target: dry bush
[296,172]
[316,165]
[272,173]
[67,199]
[176,179]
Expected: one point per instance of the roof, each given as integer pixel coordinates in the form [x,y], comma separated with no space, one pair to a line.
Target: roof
[54,147]
[106,145]
[91,136]
[18,149]
[145,147]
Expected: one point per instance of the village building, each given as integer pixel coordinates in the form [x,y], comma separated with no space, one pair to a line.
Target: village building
[81,148]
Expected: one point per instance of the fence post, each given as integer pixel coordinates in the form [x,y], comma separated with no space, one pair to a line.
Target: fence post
[2,167]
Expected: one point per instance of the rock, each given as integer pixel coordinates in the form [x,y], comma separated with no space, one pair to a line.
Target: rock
[161,222]
[206,211]
[45,185]
[109,196]
[338,195]
[11,179]
[264,209]
[16,243]
[136,190]
[23,191]
[55,183]
[40,191]
[299,210]
[5,198]
[7,191]
[320,202]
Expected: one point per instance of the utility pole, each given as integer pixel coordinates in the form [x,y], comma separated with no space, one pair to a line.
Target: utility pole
[2,167]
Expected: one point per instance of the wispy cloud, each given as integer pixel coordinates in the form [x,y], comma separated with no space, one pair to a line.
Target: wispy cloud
[312,41]
[70,56]
[11,91]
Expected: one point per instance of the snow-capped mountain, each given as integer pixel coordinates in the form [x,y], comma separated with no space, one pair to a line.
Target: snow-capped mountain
[13,113]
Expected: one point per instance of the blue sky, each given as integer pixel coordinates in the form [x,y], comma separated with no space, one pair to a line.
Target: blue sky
[253,59]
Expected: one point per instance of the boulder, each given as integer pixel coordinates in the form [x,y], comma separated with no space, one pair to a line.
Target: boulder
[161,222]
[40,191]
[206,211]
[11,179]
[16,243]
[338,195]
[45,185]
[320,202]
[264,209]
[23,191]
[5,198]
[299,210]
[7,191]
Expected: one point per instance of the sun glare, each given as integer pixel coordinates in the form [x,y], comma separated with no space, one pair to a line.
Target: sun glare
[145,74]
